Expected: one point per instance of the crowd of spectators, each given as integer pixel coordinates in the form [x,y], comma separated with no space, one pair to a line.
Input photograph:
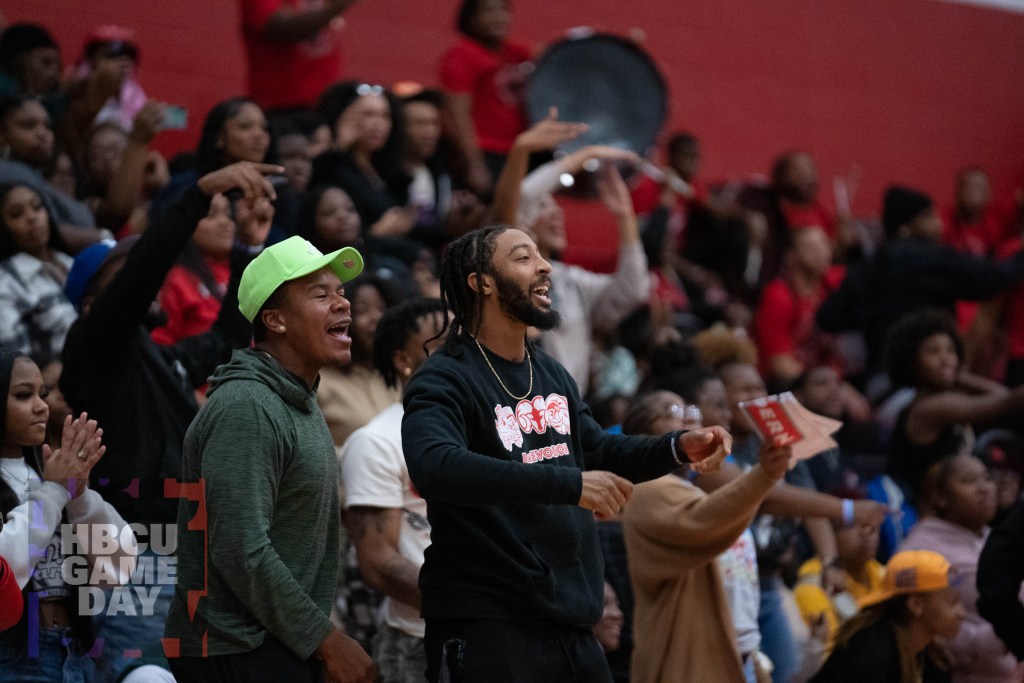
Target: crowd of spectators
[119,274]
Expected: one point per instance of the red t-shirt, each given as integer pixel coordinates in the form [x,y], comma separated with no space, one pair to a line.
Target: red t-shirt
[784,323]
[288,74]
[809,215]
[190,307]
[981,238]
[496,82]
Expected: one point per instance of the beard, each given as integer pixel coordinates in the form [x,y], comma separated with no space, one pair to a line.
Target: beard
[517,305]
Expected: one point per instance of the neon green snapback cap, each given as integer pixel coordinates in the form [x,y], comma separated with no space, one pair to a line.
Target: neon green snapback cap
[289,260]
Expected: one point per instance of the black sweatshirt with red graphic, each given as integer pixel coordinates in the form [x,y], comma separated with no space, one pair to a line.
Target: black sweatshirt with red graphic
[502,477]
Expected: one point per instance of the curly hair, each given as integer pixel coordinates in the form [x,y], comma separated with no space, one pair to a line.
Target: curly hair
[904,342]
[394,330]
[468,255]
[719,345]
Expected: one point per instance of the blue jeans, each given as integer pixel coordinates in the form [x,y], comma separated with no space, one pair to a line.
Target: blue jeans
[749,671]
[132,639]
[59,660]
[776,638]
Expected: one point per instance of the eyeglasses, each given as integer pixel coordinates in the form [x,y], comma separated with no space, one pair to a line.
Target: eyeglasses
[364,89]
[687,413]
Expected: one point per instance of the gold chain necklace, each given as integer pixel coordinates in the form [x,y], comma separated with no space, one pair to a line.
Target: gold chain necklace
[498,377]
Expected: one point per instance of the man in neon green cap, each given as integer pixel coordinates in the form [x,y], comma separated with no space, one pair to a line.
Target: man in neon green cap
[265,566]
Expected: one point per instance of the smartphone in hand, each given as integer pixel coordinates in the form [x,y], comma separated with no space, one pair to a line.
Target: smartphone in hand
[175,118]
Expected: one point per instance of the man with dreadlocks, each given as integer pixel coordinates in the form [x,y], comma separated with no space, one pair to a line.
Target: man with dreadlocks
[514,470]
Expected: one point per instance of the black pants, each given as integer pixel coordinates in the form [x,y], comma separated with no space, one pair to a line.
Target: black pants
[271,662]
[490,651]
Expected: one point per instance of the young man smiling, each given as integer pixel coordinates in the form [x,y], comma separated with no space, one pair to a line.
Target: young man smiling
[495,437]
[267,561]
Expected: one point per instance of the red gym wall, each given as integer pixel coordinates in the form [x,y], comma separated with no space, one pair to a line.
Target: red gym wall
[907,90]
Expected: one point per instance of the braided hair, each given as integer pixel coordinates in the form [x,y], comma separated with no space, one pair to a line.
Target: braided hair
[471,253]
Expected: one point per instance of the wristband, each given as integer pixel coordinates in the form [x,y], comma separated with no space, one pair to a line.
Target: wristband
[847,512]
[675,449]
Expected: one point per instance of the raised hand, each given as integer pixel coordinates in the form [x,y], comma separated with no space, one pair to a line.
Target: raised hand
[613,191]
[146,123]
[254,218]
[706,448]
[604,493]
[549,133]
[774,459]
[81,447]
[247,176]
[869,512]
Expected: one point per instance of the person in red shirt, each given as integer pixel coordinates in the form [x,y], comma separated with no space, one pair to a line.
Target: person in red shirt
[972,224]
[293,49]
[683,157]
[975,226]
[790,202]
[1001,319]
[787,338]
[483,76]
[195,286]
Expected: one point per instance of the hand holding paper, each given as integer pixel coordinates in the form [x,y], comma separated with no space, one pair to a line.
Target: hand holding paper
[781,419]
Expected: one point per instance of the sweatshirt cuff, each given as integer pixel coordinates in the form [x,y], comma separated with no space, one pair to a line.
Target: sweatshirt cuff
[319,636]
[52,492]
[84,505]
[568,485]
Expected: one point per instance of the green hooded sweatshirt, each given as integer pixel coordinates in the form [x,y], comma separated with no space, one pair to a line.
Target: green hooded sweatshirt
[270,543]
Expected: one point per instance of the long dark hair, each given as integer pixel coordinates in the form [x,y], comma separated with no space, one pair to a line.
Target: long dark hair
[8,498]
[387,160]
[7,246]
[390,297]
[84,633]
[306,224]
[210,156]
[471,253]
[895,614]
[191,258]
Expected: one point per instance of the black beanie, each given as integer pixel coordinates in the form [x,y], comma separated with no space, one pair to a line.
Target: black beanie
[18,39]
[900,206]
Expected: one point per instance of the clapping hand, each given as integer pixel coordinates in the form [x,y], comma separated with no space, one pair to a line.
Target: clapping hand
[81,447]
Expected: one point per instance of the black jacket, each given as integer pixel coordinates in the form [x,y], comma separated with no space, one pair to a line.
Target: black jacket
[906,276]
[508,540]
[1000,573]
[141,393]
[872,655]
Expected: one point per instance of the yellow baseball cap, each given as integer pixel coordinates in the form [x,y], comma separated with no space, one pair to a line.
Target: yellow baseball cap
[912,571]
[289,260]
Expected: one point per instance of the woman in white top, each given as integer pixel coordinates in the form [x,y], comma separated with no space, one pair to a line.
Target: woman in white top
[35,316]
[41,492]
